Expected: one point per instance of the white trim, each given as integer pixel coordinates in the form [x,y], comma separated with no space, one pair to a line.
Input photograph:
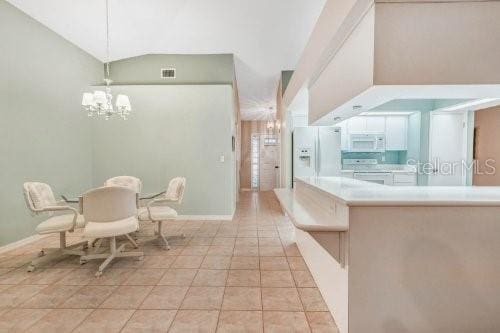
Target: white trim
[21,242]
[205,217]
[465,138]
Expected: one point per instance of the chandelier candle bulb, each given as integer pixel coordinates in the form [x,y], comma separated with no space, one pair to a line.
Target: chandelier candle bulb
[123,102]
[88,99]
[100,98]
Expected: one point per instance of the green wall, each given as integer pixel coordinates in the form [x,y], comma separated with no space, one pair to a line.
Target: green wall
[190,69]
[45,136]
[180,127]
[175,130]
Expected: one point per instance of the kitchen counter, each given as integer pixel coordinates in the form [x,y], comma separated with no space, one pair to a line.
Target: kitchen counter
[429,255]
[354,192]
[302,218]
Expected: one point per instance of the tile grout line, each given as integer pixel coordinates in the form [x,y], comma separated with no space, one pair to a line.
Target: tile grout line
[262,223]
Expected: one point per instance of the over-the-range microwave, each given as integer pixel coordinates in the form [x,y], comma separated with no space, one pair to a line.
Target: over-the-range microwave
[363,142]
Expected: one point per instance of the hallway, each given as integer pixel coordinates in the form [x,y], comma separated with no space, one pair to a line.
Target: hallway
[244,275]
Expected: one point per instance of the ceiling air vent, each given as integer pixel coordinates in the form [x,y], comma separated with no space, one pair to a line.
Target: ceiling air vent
[168,73]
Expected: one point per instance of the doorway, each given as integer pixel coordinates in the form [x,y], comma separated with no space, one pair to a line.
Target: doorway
[260,161]
[268,162]
[448,148]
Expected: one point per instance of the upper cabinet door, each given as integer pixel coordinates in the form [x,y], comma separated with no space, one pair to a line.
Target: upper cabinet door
[344,138]
[357,125]
[396,132]
[375,124]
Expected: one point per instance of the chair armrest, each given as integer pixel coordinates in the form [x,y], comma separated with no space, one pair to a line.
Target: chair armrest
[60,209]
[160,201]
[66,200]
[153,196]
[155,202]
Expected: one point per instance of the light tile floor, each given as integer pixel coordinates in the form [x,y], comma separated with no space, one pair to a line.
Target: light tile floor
[245,275]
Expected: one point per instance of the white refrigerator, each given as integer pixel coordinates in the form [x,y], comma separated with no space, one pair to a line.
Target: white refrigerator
[316,152]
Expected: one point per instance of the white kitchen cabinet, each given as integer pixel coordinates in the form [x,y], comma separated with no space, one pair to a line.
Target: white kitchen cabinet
[375,124]
[357,125]
[404,179]
[396,129]
[344,138]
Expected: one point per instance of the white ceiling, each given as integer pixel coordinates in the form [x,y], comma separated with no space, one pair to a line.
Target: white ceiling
[266,36]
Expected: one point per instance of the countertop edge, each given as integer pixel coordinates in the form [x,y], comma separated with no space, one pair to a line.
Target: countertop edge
[306,227]
[402,203]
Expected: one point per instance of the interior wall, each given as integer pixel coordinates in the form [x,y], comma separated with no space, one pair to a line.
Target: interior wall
[487,145]
[45,135]
[350,71]
[192,115]
[247,129]
[190,69]
[237,139]
[175,130]
[455,31]
[282,115]
[327,26]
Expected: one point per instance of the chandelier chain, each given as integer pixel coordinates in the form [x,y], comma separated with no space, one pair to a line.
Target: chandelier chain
[107,39]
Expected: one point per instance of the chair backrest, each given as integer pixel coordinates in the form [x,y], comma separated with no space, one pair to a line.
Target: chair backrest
[175,190]
[108,204]
[38,196]
[130,182]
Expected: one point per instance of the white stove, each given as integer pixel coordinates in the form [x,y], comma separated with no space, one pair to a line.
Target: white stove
[368,170]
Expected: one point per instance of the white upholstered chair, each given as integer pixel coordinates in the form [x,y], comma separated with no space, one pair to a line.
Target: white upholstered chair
[109,212]
[157,209]
[61,219]
[130,182]
[133,183]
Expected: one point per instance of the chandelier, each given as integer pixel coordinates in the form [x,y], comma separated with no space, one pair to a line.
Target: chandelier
[273,125]
[100,103]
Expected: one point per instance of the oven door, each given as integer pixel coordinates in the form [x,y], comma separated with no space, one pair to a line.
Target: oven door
[383,178]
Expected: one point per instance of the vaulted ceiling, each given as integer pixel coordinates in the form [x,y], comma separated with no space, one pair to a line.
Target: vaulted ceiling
[266,36]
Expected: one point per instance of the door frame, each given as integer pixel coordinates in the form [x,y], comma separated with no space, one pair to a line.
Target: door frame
[262,137]
[465,142]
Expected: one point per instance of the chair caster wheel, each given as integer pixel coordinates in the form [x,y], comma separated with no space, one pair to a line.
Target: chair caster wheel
[31,268]
[98,274]
[41,253]
[83,262]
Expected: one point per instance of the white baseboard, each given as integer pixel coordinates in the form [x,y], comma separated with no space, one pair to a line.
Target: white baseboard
[205,217]
[21,242]
[34,238]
